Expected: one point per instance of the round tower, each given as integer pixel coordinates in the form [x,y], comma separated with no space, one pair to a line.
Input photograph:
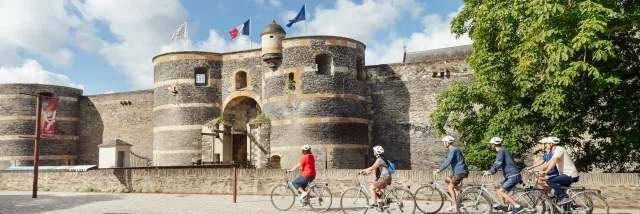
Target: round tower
[272,36]
[316,98]
[186,96]
[18,117]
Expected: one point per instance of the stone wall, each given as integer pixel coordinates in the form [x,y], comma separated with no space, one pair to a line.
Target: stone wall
[127,116]
[18,117]
[620,190]
[403,96]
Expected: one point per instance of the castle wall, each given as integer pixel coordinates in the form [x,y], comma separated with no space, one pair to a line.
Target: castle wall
[18,117]
[107,116]
[326,111]
[181,107]
[403,96]
[245,61]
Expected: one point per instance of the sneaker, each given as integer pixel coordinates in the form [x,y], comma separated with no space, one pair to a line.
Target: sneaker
[564,201]
[551,195]
[517,210]
[373,205]
[501,208]
[303,195]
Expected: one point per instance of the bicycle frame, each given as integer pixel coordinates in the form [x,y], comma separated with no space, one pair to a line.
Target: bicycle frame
[437,184]
[365,189]
[486,191]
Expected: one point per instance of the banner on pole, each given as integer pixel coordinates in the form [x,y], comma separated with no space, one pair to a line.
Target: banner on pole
[48,119]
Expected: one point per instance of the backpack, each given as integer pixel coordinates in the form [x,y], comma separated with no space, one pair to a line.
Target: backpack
[391,167]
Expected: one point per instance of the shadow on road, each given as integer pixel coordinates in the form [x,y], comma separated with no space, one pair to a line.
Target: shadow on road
[48,203]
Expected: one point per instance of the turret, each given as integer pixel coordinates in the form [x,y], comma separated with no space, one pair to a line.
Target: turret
[272,36]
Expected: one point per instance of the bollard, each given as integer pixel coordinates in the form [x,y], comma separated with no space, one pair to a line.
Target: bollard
[235,183]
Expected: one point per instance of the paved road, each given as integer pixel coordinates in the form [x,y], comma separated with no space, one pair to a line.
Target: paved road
[112,203]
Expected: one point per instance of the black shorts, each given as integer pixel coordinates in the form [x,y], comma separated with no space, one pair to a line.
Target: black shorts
[457,179]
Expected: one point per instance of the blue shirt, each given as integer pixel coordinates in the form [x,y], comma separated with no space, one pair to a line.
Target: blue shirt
[456,160]
[546,158]
[504,161]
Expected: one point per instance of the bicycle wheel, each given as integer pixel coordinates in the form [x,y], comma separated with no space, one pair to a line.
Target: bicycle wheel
[473,200]
[354,201]
[429,200]
[402,200]
[282,197]
[320,199]
[590,203]
[533,202]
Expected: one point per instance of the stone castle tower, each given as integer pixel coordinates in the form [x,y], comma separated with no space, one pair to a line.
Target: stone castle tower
[204,106]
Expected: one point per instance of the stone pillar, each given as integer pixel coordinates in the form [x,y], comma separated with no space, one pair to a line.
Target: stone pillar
[259,136]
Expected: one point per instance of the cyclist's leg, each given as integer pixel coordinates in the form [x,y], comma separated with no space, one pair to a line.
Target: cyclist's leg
[455,181]
[557,182]
[507,186]
[298,182]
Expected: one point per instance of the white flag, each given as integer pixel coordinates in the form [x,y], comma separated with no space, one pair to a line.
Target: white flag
[181,32]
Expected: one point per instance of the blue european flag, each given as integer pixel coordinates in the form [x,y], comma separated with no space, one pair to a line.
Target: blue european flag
[299,17]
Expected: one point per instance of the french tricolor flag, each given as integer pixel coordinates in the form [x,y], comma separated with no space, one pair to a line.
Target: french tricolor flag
[242,29]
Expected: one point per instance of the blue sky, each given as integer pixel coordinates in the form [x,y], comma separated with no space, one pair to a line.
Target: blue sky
[107,46]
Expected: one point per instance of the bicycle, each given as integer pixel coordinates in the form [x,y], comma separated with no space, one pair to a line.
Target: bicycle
[470,200]
[583,201]
[397,195]
[283,196]
[433,196]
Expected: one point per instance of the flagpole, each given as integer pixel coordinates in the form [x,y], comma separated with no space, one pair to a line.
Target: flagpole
[186,32]
[250,43]
[305,18]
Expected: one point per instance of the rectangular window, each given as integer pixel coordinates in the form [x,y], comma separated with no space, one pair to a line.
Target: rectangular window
[201,76]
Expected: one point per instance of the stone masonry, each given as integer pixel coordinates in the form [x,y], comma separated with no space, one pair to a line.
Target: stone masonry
[314,90]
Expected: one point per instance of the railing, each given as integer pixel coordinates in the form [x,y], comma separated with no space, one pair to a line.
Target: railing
[136,160]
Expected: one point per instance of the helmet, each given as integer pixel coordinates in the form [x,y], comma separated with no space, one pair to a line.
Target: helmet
[553,140]
[496,140]
[544,140]
[378,149]
[306,147]
[448,139]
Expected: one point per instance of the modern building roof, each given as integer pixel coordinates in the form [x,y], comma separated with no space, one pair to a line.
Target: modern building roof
[273,28]
[442,53]
[114,142]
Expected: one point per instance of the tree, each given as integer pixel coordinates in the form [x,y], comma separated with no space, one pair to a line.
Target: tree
[547,67]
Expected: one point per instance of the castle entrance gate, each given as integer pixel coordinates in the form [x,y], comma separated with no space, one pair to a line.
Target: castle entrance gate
[238,113]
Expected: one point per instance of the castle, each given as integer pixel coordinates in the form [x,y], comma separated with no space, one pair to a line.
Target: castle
[251,108]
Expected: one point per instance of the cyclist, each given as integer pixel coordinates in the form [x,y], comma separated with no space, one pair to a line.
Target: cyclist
[545,159]
[510,172]
[568,171]
[308,174]
[458,166]
[383,176]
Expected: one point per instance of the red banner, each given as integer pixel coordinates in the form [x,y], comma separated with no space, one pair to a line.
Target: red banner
[48,119]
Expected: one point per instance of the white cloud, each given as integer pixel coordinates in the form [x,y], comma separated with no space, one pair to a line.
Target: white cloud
[141,27]
[32,72]
[275,3]
[436,34]
[347,18]
[109,92]
[37,27]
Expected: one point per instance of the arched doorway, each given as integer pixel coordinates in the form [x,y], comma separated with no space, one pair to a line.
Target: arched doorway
[238,112]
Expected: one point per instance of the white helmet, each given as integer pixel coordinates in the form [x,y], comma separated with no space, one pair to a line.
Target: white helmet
[496,140]
[306,147]
[544,140]
[448,139]
[378,149]
[553,140]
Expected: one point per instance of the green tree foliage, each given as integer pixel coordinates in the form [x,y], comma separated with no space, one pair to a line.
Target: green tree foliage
[547,67]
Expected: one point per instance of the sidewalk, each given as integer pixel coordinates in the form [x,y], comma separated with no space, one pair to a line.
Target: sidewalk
[88,203]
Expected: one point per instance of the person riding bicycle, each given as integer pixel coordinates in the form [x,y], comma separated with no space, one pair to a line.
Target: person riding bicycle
[545,160]
[458,166]
[308,174]
[510,171]
[383,176]
[566,167]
